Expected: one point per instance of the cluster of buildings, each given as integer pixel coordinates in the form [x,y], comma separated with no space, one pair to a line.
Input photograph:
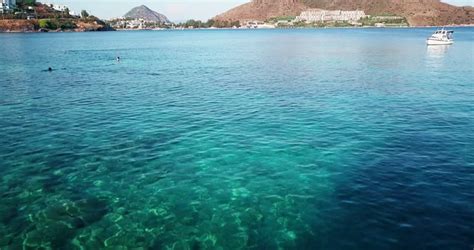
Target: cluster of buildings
[257,25]
[129,24]
[318,15]
[7,5]
[329,17]
[311,16]
[10,5]
[61,8]
[136,24]
[386,18]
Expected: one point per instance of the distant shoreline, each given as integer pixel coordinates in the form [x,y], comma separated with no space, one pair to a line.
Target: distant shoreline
[302,28]
[282,28]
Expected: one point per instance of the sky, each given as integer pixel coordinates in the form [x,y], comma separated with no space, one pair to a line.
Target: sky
[175,10]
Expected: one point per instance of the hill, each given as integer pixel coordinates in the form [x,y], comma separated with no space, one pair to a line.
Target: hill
[35,17]
[418,13]
[145,13]
[263,10]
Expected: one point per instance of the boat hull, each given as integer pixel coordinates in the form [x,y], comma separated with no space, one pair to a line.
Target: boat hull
[438,42]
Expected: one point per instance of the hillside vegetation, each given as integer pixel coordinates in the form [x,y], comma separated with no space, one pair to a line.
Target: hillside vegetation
[417,13]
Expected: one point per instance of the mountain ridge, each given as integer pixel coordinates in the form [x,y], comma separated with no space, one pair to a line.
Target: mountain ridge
[418,13]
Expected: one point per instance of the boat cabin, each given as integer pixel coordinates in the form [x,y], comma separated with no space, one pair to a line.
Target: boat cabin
[445,34]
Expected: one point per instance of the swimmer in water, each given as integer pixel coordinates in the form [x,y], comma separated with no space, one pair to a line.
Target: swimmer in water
[118,59]
[50,69]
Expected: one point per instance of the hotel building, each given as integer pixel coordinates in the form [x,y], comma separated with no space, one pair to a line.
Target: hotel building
[318,15]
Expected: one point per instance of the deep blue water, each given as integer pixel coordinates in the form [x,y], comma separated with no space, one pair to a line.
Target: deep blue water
[275,139]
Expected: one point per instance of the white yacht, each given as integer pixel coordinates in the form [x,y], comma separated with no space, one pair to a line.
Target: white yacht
[441,37]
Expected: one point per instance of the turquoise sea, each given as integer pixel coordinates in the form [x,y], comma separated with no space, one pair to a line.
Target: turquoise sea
[237,139]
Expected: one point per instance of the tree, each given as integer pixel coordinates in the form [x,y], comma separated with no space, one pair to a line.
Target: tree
[47,24]
[210,23]
[66,12]
[43,23]
[26,2]
[193,23]
[84,14]
[235,24]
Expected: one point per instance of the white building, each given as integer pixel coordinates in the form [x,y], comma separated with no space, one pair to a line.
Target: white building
[7,5]
[56,7]
[318,15]
[257,25]
[61,8]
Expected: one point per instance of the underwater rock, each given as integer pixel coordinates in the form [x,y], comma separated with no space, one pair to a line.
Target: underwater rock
[56,212]
[114,217]
[49,235]
[7,213]
[92,209]
[181,245]
[208,241]
[55,226]
[50,183]
[90,238]
[126,239]
[5,237]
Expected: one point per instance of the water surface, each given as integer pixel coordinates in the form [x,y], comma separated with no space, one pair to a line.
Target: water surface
[277,139]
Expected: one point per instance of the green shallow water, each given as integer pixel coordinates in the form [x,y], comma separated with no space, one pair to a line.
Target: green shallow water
[285,139]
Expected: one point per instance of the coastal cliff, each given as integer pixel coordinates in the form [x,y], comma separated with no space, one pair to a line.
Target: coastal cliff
[59,25]
[12,25]
[418,13]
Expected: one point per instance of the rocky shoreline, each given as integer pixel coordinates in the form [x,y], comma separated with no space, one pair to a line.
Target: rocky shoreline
[74,25]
